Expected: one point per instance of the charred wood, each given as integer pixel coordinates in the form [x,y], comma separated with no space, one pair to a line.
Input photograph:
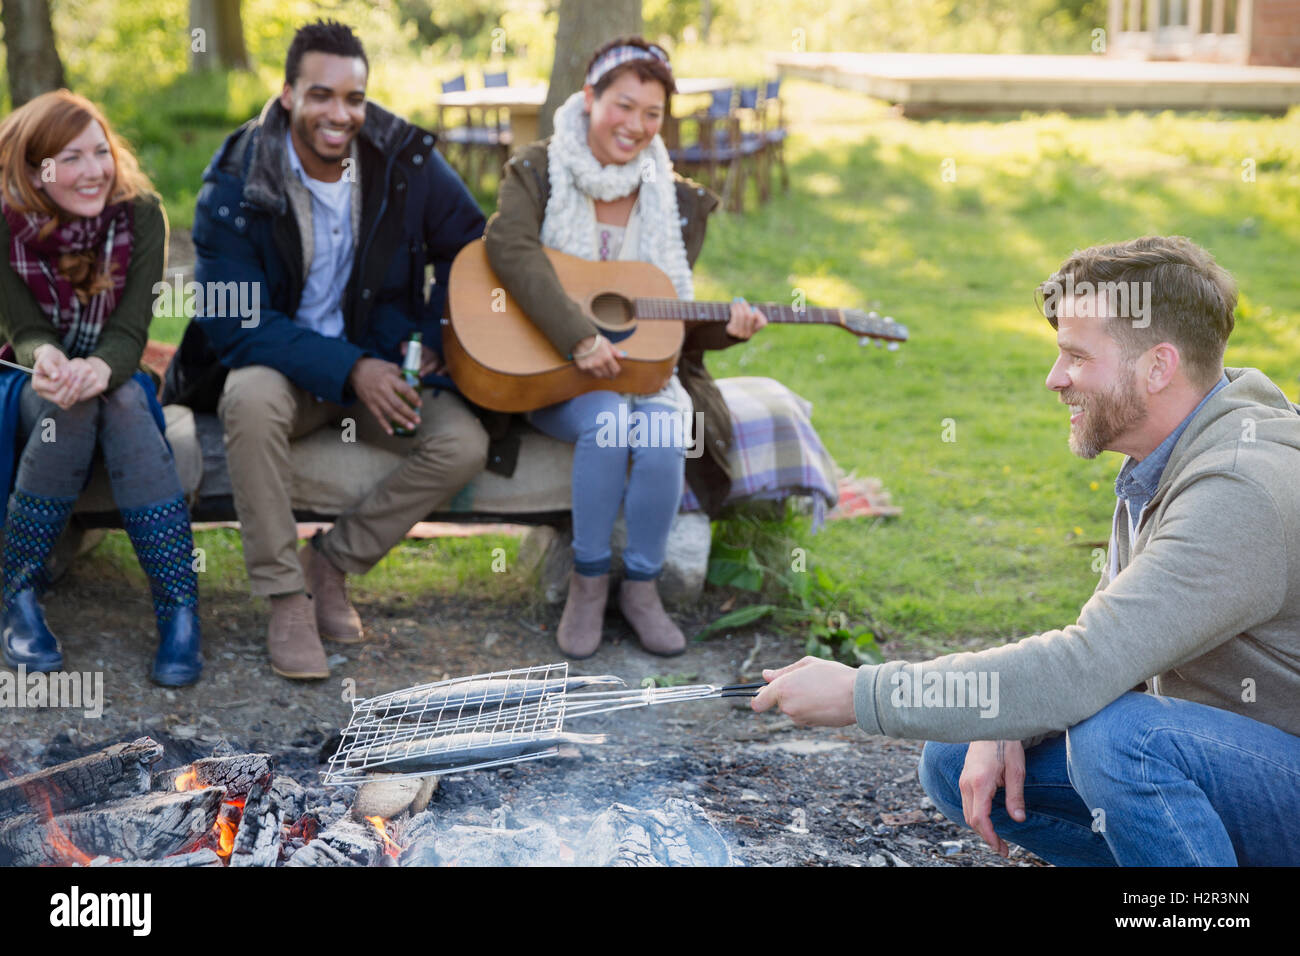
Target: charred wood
[237,773]
[144,827]
[343,843]
[121,770]
[204,857]
[270,809]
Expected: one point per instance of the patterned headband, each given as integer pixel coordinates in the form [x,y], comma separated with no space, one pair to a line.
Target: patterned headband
[624,54]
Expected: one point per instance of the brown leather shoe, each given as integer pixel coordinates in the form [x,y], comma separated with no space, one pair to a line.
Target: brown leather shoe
[336,618]
[584,616]
[640,604]
[293,641]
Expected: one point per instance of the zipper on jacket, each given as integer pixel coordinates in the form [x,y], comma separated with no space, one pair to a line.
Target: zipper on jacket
[374,227]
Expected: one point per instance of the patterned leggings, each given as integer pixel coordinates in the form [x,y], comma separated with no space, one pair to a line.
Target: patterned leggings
[60,447]
[54,468]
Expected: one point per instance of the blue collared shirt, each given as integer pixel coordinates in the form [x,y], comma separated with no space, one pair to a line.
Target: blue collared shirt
[1137,480]
[321,308]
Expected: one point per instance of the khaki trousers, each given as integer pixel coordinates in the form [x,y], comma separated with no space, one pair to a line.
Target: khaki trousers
[262,412]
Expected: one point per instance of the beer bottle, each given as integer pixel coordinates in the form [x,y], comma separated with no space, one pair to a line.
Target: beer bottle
[411,376]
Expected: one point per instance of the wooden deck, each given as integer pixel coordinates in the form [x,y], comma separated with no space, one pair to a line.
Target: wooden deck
[928,83]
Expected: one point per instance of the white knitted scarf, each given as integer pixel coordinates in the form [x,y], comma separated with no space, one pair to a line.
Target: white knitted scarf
[569,224]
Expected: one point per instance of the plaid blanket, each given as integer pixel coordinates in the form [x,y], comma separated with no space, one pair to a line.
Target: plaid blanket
[776,452]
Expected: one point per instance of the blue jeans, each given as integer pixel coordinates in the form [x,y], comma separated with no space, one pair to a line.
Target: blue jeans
[1148,781]
[650,495]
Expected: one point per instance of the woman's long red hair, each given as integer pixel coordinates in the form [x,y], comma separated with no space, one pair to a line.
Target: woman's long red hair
[38,130]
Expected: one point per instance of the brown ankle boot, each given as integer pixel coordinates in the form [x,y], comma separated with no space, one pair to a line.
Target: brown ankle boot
[640,604]
[336,618]
[584,616]
[293,641]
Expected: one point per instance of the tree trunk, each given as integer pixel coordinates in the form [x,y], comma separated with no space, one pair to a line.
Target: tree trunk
[584,25]
[34,64]
[217,36]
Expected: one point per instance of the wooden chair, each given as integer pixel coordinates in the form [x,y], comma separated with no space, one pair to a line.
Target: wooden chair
[455,137]
[774,129]
[752,146]
[484,135]
[714,153]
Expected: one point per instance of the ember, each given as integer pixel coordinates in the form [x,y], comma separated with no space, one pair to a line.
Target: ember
[227,826]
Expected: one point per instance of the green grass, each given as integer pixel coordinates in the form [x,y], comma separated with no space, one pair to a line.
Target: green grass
[461,566]
[997,534]
[998,526]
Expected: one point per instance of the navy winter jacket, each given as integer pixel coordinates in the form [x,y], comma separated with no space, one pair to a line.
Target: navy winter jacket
[414,211]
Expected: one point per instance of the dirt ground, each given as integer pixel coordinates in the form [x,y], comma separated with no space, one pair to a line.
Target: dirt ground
[782,794]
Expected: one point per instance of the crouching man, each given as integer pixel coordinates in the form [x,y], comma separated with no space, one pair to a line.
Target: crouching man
[1201,601]
[326,210]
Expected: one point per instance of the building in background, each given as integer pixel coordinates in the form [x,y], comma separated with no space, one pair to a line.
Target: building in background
[1254,32]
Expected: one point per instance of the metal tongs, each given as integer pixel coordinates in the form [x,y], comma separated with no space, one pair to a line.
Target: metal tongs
[488,719]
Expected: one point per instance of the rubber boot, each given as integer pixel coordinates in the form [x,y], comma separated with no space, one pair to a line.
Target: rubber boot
[164,547]
[584,615]
[32,526]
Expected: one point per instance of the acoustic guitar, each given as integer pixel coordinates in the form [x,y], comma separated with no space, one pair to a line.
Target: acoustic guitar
[500,360]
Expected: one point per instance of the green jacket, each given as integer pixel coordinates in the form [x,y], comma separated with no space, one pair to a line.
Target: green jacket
[514,249]
[1205,604]
[125,334]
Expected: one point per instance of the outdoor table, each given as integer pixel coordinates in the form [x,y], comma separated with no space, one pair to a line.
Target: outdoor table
[693,86]
[525,102]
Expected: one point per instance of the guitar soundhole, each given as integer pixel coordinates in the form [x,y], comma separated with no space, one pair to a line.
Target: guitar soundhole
[612,311]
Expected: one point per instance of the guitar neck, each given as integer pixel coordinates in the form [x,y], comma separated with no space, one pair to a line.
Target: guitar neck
[686,311]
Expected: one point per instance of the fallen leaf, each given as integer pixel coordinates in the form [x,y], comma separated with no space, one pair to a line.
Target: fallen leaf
[904,819]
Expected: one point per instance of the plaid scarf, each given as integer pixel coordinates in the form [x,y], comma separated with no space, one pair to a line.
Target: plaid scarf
[37,261]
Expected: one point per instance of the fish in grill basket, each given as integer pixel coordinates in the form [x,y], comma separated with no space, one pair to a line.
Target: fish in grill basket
[461,750]
[484,694]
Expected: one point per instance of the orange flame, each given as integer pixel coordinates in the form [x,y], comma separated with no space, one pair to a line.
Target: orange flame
[66,853]
[391,848]
[227,825]
[188,781]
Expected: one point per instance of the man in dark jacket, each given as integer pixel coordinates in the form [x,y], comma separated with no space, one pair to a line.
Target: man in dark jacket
[324,213]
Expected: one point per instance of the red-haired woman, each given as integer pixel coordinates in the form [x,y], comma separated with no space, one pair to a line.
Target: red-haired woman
[82,242]
[603,188]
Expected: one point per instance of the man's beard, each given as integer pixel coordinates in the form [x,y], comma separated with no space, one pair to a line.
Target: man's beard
[1106,417]
[308,140]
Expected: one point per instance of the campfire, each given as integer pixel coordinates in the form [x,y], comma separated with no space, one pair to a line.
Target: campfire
[112,808]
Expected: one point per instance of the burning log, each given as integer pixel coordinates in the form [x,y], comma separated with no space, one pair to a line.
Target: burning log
[237,773]
[144,827]
[204,857]
[261,831]
[343,843]
[121,770]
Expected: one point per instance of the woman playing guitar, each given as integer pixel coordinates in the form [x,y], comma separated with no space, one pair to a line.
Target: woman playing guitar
[602,188]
